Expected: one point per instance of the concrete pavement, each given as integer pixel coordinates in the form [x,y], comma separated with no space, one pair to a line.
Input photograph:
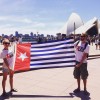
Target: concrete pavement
[55,83]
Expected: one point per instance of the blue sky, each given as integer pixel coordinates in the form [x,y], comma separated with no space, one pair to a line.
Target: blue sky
[43,16]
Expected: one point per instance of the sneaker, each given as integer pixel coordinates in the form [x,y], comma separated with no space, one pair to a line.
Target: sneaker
[86,92]
[13,90]
[76,90]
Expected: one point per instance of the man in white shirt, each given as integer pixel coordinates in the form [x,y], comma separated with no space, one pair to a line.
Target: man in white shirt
[80,70]
[7,56]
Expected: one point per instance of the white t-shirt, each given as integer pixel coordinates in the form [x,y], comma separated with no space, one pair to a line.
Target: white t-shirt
[79,51]
[10,58]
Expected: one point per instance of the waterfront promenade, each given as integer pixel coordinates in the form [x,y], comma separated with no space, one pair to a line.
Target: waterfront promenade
[55,83]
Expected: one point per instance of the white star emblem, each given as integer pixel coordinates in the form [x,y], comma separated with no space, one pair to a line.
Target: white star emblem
[22,56]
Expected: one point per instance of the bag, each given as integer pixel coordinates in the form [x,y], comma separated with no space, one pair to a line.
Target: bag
[84,47]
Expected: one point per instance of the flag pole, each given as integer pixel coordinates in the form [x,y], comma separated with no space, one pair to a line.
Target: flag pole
[74,31]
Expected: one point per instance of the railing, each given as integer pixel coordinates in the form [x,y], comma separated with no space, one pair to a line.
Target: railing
[89,58]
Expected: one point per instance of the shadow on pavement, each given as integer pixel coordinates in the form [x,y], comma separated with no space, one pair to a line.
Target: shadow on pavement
[7,96]
[32,96]
[81,95]
[71,95]
[93,58]
[40,96]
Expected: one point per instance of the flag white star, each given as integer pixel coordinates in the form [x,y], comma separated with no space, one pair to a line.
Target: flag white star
[22,56]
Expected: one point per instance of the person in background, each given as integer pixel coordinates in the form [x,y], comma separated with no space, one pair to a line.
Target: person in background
[92,40]
[63,36]
[96,43]
[80,70]
[99,43]
[8,57]
[20,40]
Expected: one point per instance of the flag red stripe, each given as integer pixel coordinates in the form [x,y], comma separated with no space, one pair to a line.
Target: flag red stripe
[25,63]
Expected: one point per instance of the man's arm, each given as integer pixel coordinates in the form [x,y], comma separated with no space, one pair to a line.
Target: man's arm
[83,58]
[6,62]
[86,51]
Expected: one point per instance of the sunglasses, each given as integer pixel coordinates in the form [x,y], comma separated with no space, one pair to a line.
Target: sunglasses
[6,43]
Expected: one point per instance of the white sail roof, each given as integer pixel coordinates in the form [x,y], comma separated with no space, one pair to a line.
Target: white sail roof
[74,22]
[86,26]
[74,19]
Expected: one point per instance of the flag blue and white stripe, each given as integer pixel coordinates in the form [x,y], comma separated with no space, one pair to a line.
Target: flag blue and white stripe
[53,54]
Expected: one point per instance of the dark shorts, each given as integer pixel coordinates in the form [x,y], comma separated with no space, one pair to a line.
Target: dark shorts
[5,70]
[81,71]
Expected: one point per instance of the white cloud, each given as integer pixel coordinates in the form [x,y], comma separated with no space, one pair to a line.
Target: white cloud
[21,20]
[27,20]
[15,19]
[26,25]
[26,31]
[38,27]
[6,26]
[2,18]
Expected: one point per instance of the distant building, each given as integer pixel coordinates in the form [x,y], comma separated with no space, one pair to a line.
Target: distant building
[2,35]
[16,34]
[26,35]
[59,36]
[31,34]
[42,35]
[34,35]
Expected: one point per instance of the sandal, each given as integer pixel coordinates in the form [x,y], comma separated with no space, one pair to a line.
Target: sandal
[13,90]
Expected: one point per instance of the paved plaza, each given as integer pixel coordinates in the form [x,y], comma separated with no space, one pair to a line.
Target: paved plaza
[55,83]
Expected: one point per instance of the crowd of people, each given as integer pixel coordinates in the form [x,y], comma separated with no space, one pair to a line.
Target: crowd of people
[96,41]
[42,39]
[81,46]
[80,71]
[12,39]
[92,40]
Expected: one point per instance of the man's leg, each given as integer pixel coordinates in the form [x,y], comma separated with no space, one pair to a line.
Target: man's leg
[4,81]
[99,46]
[76,74]
[11,73]
[78,89]
[85,82]
[85,88]
[11,81]
[78,83]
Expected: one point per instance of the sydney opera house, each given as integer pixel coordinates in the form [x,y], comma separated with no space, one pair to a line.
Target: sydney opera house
[75,25]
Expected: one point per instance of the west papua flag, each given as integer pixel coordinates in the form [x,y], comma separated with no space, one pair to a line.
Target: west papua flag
[45,55]
[22,61]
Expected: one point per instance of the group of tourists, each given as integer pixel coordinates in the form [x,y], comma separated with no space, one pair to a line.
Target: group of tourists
[80,70]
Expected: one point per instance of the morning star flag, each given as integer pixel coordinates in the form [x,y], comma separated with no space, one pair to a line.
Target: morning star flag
[45,55]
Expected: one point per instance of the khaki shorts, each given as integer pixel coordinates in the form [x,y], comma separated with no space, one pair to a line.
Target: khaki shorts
[81,71]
